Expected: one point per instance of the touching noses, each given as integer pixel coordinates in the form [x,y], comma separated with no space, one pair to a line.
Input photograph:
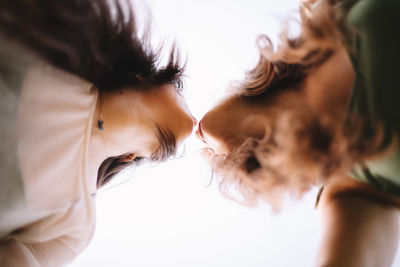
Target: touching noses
[199,133]
[194,121]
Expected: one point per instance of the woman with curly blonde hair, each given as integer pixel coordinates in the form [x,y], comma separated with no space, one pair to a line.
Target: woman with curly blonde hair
[321,110]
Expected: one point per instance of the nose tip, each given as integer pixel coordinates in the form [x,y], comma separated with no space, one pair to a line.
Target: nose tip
[194,121]
[199,133]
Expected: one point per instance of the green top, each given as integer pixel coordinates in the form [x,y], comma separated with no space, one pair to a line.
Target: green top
[375,54]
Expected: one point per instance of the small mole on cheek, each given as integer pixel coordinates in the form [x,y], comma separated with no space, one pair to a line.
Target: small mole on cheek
[120,92]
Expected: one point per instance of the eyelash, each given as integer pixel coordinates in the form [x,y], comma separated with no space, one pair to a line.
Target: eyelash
[138,159]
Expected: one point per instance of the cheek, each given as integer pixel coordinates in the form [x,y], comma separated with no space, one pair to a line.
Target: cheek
[143,142]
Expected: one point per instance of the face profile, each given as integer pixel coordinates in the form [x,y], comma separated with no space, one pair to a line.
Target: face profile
[230,122]
[140,126]
[318,111]
[88,97]
[254,137]
[140,114]
[238,116]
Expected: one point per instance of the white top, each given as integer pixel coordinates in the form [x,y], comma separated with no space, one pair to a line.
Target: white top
[47,212]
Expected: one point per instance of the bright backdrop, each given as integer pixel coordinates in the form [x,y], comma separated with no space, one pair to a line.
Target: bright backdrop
[165,215]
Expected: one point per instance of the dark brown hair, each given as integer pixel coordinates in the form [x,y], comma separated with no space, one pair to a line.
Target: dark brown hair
[96,40]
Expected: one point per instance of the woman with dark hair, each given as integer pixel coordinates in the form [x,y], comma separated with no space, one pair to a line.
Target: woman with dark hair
[321,110]
[82,98]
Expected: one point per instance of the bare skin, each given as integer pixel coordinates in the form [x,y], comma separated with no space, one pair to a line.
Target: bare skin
[361,223]
[130,118]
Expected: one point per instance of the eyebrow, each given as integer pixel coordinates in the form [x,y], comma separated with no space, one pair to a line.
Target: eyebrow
[167,147]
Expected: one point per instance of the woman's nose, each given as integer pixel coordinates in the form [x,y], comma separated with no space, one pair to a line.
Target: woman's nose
[194,121]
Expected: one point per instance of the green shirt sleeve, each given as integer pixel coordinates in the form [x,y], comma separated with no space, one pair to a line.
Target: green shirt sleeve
[375,54]
[376,59]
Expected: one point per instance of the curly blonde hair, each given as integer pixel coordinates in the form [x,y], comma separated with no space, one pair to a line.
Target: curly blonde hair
[299,149]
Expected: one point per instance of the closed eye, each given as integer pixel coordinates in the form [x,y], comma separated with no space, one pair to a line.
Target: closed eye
[167,144]
[138,159]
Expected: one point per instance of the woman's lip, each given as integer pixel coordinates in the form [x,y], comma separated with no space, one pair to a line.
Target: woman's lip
[199,133]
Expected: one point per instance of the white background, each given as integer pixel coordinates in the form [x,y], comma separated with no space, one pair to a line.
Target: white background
[165,215]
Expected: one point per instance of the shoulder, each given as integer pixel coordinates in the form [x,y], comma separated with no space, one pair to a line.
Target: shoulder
[345,187]
[54,124]
[44,73]
[366,12]
[360,225]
